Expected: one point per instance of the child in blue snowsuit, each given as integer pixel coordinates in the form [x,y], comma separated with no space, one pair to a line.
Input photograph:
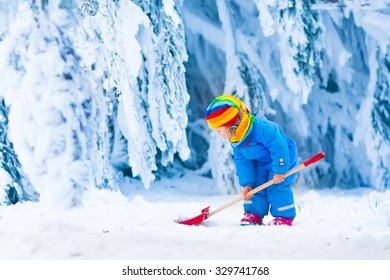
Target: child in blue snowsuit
[262,152]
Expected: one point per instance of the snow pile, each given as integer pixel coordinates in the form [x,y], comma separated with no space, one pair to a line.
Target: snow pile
[330,224]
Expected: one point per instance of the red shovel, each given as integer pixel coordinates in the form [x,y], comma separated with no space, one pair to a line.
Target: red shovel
[206,213]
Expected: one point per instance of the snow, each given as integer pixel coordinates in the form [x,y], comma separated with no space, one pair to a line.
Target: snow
[139,224]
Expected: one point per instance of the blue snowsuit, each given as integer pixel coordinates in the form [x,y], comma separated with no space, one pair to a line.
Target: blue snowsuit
[264,152]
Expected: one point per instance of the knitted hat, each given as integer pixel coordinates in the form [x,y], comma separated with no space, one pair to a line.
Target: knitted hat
[223,111]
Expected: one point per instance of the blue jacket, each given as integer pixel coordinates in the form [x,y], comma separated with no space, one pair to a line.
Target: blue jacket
[266,145]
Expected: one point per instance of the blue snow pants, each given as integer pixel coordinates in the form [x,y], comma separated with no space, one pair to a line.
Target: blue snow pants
[277,198]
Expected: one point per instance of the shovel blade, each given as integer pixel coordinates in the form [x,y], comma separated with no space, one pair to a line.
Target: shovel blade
[196,220]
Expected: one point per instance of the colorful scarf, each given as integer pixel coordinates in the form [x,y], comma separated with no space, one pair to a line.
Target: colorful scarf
[243,130]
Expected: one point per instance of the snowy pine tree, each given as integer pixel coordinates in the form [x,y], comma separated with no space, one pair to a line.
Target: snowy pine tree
[374,129]
[299,31]
[52,109]
[14,186]
[380,115]
[381,121]
[161,81]
[143,76]
[341,106]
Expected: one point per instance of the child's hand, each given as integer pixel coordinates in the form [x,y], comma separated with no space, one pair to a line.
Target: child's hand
[245,192]
[278,178]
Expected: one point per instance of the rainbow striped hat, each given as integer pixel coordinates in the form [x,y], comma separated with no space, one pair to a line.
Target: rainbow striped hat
[223,111]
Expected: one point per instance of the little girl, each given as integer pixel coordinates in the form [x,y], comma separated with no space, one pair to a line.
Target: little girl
[261,152]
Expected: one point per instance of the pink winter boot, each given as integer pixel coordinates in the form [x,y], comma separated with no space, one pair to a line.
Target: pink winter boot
[251,219]
[280,221]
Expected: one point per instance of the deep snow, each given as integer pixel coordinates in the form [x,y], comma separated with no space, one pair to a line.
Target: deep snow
[139,224]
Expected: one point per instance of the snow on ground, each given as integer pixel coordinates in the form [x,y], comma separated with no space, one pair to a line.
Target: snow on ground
[140,225]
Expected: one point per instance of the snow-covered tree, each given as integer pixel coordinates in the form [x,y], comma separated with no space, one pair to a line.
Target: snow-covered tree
[103,59]
[164,91]
[52,117]
[299,31]
[373,131]
[342,106]
[143,75]
[14,186]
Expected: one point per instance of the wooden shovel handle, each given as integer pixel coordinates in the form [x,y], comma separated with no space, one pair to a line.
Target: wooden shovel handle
[312,160]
